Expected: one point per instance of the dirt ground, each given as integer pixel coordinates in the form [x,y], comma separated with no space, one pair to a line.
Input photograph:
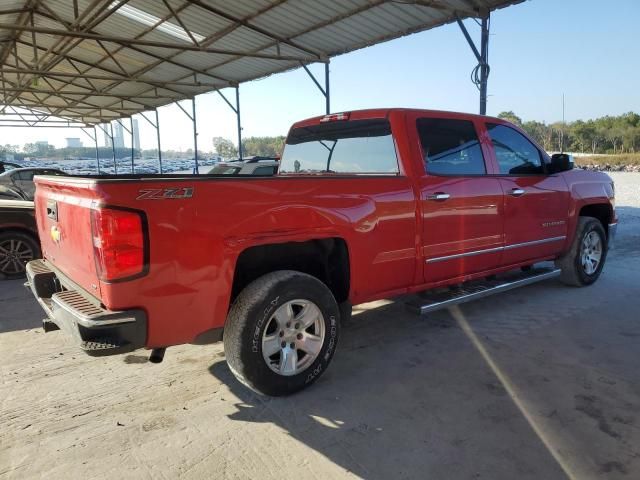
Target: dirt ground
[537,383]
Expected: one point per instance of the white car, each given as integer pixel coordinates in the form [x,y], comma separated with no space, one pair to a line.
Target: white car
[261,166]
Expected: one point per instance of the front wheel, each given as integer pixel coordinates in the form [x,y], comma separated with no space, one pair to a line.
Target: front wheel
[583,263]
[281,332]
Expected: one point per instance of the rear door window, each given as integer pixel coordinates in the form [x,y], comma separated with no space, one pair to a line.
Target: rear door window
[450,147]
[355,147]
[515,154]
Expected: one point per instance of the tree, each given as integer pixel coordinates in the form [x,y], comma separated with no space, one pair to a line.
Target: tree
[264,146]
[511,117]
[225,147]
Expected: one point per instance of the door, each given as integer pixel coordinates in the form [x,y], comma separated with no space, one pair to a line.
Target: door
[461,205]
[536,205]
[23,179]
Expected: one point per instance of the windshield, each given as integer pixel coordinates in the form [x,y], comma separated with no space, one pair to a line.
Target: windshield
[358,146]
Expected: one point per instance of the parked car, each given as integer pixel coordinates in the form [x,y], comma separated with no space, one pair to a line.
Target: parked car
[18,237]
[261,166]
[366,205]
[4,166]
[18,182]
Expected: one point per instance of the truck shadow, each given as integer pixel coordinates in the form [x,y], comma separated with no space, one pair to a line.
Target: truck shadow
[404,398]
[18,309]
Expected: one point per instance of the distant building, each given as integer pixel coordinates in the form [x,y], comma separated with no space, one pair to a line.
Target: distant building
[107,140]
[73,142]
[118,135]
[136,135]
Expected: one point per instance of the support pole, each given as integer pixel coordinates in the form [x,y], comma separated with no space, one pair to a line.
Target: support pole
[195,135]
[325,90]
[113,149]
[484,65]
[95,138]
[327,94]
[133,147]
[480,74]
[158,136]
[239,123]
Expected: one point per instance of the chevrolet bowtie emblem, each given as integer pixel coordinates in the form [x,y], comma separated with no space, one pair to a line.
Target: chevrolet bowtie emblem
[55,234]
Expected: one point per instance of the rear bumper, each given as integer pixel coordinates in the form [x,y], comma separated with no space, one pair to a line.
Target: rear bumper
[97,331]
[613,227]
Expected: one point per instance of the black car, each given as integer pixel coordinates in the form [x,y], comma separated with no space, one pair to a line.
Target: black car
[4,166]
[18,182]
[19,242]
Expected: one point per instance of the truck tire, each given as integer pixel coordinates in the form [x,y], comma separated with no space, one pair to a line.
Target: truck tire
[281,332]
[583,263]
[16,249]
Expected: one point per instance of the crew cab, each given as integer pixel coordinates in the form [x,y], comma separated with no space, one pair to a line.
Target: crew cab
[366,205]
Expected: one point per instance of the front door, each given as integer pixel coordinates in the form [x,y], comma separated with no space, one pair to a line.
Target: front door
[461,205]
[536,205]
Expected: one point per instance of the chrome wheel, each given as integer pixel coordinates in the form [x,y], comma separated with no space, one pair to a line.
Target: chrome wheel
[293,337]
[591,253]
[14,255]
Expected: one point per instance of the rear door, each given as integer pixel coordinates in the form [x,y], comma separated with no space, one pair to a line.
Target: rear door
[461,205]
[536,204]
[24,181]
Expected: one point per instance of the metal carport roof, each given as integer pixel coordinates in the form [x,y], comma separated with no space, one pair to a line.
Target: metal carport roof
[93,61]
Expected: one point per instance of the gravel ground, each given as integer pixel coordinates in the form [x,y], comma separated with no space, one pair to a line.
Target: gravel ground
[537,383]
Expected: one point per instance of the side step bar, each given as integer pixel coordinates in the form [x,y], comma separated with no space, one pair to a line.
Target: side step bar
[437,300]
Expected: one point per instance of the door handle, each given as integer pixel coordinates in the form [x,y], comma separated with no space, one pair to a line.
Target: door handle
[438,196]
[516,192]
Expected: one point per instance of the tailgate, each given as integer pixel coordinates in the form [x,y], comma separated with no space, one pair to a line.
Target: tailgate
[63,207]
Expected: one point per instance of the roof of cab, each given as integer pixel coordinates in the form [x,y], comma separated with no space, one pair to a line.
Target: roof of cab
[385,112]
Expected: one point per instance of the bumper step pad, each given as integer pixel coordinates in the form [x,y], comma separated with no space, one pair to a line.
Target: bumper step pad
[440,299]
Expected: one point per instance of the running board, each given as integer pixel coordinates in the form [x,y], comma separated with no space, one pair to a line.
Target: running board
[437,300]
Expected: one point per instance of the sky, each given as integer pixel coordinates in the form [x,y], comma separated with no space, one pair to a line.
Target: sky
[538,51]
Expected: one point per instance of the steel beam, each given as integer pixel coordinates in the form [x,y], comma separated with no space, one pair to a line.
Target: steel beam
[239,123]
[325,91]
[133,147]
[113,149]
[480,74]
[150,43]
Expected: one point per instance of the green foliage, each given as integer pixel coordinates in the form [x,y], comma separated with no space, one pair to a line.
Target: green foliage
[511,117]
[618,135]
[225,147]
[263,146]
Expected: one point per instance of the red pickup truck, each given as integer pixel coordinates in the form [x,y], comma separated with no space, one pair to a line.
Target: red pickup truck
[366,205]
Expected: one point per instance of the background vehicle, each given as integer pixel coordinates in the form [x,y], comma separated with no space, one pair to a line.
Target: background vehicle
[18,237]
[4,166]
[247,166]
[18,183]
[366,205]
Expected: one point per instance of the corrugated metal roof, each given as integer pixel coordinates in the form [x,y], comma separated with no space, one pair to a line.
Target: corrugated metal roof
[111,58]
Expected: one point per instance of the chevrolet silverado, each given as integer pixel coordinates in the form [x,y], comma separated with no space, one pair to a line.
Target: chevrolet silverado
[366,205]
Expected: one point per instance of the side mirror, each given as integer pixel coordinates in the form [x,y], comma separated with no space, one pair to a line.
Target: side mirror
[561,162]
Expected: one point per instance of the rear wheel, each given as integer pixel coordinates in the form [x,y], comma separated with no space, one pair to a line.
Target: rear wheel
[583,263]
[16,250]
[281,332]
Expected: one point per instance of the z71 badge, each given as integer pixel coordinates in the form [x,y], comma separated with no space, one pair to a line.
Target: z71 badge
[165,193]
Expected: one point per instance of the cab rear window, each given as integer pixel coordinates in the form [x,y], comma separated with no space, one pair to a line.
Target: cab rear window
[355,147]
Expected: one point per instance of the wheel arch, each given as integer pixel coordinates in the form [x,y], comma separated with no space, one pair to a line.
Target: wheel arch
[326,259]
[603,212]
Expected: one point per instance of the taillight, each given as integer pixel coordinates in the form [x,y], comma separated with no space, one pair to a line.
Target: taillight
[119,243]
